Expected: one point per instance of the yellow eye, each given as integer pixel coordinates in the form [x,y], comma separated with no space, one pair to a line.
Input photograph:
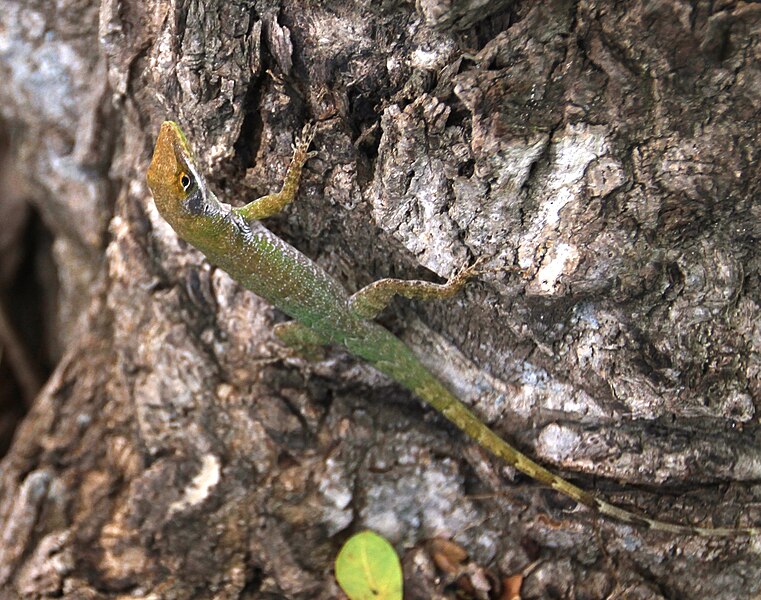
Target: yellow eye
[185,181]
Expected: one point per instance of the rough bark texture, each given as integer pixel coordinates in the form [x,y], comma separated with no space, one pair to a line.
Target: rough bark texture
[610,151]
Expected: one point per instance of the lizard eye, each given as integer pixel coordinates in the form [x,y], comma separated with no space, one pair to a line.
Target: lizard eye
[185,182]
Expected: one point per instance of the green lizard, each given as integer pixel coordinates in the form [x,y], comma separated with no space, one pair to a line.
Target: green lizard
[323,312]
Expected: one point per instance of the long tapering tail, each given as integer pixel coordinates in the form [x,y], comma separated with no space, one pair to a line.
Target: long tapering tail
[433,392]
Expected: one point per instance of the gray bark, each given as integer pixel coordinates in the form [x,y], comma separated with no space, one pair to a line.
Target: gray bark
[608,151]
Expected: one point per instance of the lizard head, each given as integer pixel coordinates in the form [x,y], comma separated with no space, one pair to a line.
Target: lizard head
[177,187]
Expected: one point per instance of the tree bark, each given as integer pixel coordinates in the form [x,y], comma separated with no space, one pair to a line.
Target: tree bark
[606,152]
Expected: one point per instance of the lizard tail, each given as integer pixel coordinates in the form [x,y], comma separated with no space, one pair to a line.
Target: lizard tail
[447,404]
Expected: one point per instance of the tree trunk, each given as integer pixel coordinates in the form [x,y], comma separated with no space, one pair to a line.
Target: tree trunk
[607,153]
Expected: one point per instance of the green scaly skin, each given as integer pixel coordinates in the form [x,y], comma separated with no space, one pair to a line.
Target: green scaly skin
[232,240]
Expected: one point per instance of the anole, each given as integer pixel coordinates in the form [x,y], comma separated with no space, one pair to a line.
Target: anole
[323,312]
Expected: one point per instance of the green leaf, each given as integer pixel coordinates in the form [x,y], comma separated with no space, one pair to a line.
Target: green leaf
[367,568]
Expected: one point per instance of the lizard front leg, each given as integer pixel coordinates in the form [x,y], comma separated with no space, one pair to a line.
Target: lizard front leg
[271,204]
[304,341]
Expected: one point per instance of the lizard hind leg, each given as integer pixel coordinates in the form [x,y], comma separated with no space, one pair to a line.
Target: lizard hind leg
[302,340]
[371,300]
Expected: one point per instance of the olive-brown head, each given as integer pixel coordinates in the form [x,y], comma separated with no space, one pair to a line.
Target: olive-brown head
[178,189]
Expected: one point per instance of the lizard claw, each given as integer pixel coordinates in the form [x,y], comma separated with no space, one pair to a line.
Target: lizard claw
[477,268]
[305,139]
[473,270]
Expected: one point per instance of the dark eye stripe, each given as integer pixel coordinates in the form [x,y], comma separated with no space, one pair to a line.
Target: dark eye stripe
[195,202]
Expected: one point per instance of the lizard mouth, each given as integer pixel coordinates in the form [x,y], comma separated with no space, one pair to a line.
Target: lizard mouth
[168,165]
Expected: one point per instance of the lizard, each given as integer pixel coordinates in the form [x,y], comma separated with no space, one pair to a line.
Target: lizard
[324,313]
